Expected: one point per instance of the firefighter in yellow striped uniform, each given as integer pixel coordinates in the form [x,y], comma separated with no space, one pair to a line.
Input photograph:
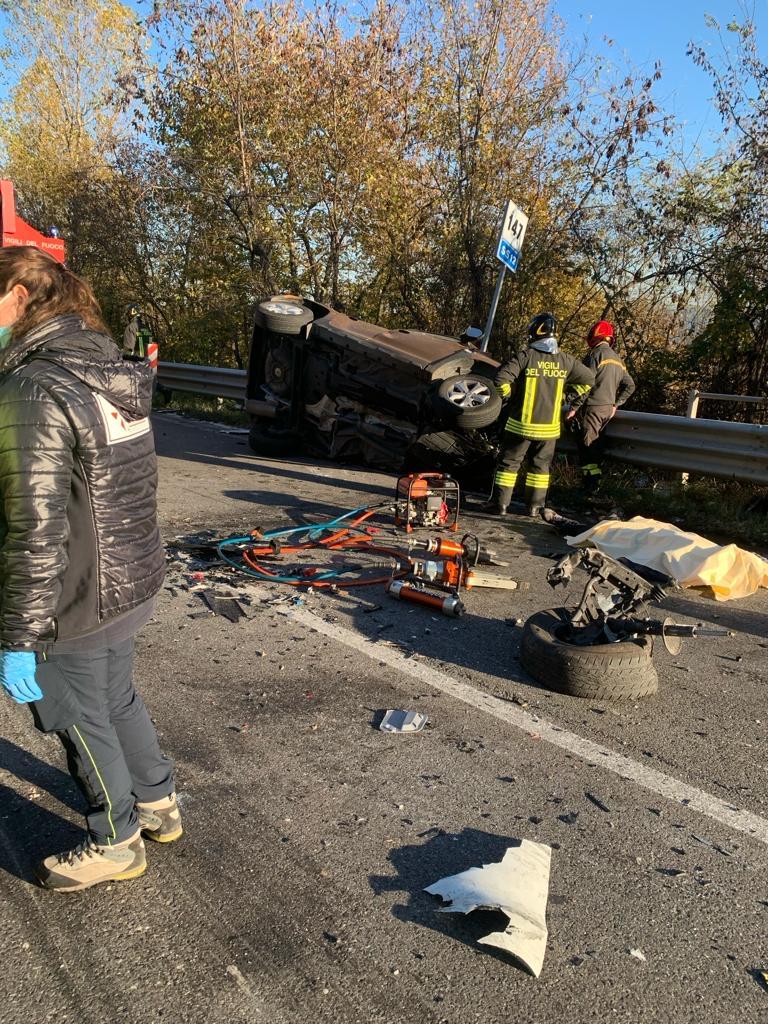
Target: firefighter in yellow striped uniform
[613,386]
[535,381]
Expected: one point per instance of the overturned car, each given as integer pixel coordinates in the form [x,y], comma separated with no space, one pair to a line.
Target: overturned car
[323,382]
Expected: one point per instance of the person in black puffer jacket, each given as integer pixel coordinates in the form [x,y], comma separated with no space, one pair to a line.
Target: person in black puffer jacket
[81,559]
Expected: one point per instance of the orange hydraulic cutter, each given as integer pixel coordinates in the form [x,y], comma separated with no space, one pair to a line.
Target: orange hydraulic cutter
[16,231]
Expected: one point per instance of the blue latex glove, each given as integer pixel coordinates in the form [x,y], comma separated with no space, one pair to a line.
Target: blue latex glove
[17,675]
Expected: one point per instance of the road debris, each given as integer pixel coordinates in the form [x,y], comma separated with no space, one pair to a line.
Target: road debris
[569,819]
[223,604]
[638,954]
[403,721]
[597,801]
[711,844]
[518,886]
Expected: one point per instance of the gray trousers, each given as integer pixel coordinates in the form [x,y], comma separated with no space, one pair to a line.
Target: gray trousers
[112,750]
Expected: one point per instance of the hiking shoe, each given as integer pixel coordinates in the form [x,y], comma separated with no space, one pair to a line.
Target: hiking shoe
[160,820]
[90,864]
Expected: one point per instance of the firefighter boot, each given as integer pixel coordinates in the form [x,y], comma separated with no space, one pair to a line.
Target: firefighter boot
[160,820]
[592,477]
[499,501]
[90,864]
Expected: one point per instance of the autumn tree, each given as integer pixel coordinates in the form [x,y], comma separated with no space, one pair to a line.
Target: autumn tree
[66,110]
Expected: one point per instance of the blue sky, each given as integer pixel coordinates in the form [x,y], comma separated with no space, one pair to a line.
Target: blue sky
[644,31]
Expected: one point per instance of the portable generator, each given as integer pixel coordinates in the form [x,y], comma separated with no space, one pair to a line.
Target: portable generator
[427,499]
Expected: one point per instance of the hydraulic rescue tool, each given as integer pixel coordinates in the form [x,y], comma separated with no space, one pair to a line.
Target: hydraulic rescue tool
[415,593]
[427,499]
[455,568]
[614,604]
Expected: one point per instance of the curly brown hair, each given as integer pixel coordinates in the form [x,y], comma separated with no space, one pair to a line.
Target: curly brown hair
[53,290]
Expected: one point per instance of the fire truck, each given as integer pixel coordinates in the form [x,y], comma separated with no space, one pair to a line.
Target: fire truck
[14,230]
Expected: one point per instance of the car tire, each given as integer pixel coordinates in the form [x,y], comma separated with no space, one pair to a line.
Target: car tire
[620,671]
[469,401]
[284,316]
[265,439]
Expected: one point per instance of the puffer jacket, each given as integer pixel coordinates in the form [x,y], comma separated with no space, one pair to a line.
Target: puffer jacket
[79,539]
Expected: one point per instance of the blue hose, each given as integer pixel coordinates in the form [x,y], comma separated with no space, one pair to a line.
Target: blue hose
[314,528]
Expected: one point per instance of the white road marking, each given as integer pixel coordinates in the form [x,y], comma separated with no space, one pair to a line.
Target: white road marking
[657,782]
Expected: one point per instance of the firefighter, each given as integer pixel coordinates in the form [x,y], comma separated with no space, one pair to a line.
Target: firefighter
[137,335]
[535,381]
[613,386]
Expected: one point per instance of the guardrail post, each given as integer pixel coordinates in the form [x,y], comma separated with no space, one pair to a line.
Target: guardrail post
[691,413]
[693,404]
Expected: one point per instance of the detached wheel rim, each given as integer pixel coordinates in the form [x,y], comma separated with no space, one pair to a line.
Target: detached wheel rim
[468,394]
[283,308]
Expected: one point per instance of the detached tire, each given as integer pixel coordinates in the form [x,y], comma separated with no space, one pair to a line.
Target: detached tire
[284,316]
[620,671]
[264,439]
[471,402]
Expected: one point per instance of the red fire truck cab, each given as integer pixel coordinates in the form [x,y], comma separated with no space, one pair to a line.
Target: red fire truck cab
[16,231]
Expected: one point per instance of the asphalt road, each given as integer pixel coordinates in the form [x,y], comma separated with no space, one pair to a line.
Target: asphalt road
[296,894]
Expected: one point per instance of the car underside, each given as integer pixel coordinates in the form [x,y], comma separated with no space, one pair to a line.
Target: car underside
[328,384]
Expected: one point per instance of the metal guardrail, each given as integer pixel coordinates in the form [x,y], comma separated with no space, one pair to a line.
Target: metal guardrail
[213,381]
[737,451]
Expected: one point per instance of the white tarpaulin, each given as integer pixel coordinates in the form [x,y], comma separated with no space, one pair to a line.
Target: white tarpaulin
[691,560]
[518,886]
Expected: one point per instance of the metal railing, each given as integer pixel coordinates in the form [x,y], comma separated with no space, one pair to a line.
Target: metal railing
[737,451]
[212,381]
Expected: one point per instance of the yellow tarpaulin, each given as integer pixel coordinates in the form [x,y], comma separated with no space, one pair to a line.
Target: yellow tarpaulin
[691,560]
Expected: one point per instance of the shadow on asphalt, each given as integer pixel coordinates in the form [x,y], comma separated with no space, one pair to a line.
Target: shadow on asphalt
[27,767]
[492,650]
[31,833]
[276,468]
[729,616]
[440,855]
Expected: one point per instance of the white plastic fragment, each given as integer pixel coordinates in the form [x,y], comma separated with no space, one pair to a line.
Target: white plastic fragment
[638,954]
[518,886]
[403,721]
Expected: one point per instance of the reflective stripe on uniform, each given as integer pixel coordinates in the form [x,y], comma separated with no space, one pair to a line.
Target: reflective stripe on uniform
[536,431]
[582,389]
[505,477]
[537,480]
[558,402]
[591,469]
[528,400]
[611,362]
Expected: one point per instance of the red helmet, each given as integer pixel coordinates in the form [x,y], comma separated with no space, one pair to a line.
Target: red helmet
[601,331]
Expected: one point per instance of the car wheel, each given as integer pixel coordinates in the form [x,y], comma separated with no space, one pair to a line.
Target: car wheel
[284,316]
[617,671]
[266,439]
[471,402]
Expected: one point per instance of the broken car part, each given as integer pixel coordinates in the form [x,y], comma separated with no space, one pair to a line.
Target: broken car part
[614,603]
[403,721]
[601,649]
[518,886]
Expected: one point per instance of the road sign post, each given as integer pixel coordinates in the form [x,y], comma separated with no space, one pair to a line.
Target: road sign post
[508,250]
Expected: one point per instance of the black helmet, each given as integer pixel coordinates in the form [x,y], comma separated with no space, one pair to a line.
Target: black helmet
[544,325]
